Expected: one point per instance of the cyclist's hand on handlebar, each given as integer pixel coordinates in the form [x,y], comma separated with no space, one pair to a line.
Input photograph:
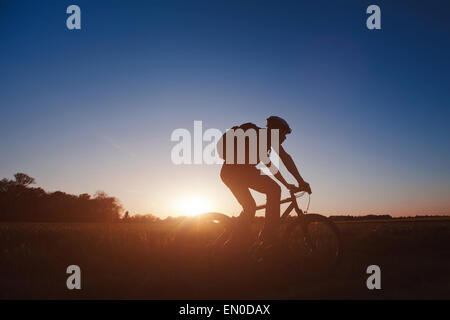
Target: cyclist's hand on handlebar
[305,187]
[302,187]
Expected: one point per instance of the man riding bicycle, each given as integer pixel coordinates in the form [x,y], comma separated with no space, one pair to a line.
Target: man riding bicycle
[240,176]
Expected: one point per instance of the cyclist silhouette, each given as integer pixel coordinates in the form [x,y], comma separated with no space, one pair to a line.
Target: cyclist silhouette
[239,177]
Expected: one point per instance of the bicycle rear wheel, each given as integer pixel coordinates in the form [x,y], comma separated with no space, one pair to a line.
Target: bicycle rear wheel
[199,230]
[314,244]
[221,224]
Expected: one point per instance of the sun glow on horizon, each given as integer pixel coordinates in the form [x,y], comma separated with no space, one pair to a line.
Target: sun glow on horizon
[193,205]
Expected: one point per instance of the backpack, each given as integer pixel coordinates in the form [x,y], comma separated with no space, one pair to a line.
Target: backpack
[221,144]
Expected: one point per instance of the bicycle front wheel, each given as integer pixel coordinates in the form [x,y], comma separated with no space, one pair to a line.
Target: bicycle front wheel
[314,243]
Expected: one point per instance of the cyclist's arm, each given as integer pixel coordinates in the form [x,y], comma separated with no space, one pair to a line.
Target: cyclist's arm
[290,166]
[277,174]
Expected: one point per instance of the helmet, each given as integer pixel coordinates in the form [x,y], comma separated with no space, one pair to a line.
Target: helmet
[275,122]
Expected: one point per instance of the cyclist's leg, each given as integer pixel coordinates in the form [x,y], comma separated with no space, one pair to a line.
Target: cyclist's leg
[264,184]
[237,181]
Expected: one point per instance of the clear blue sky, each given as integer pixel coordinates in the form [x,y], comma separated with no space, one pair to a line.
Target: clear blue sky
[94,109]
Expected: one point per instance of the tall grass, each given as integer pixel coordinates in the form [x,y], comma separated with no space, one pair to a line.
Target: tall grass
[170,261]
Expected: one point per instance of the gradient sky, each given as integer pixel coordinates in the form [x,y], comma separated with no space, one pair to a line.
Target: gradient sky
[94,109]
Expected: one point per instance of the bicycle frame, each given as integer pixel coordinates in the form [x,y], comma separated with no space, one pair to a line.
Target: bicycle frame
[293,205]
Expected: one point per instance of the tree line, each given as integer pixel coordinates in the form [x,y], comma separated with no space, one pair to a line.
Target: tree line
[21,202]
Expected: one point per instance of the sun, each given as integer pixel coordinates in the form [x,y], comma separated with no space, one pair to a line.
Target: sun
[193,205]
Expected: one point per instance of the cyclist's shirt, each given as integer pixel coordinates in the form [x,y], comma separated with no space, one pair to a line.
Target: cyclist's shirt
[250,145]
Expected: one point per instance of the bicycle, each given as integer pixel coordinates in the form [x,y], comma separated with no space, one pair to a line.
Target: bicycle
[309,240]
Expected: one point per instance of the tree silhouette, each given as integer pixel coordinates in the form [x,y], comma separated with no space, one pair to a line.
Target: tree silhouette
[20,202]
[24,179]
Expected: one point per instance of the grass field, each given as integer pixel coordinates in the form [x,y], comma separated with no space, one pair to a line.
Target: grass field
[167,261]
